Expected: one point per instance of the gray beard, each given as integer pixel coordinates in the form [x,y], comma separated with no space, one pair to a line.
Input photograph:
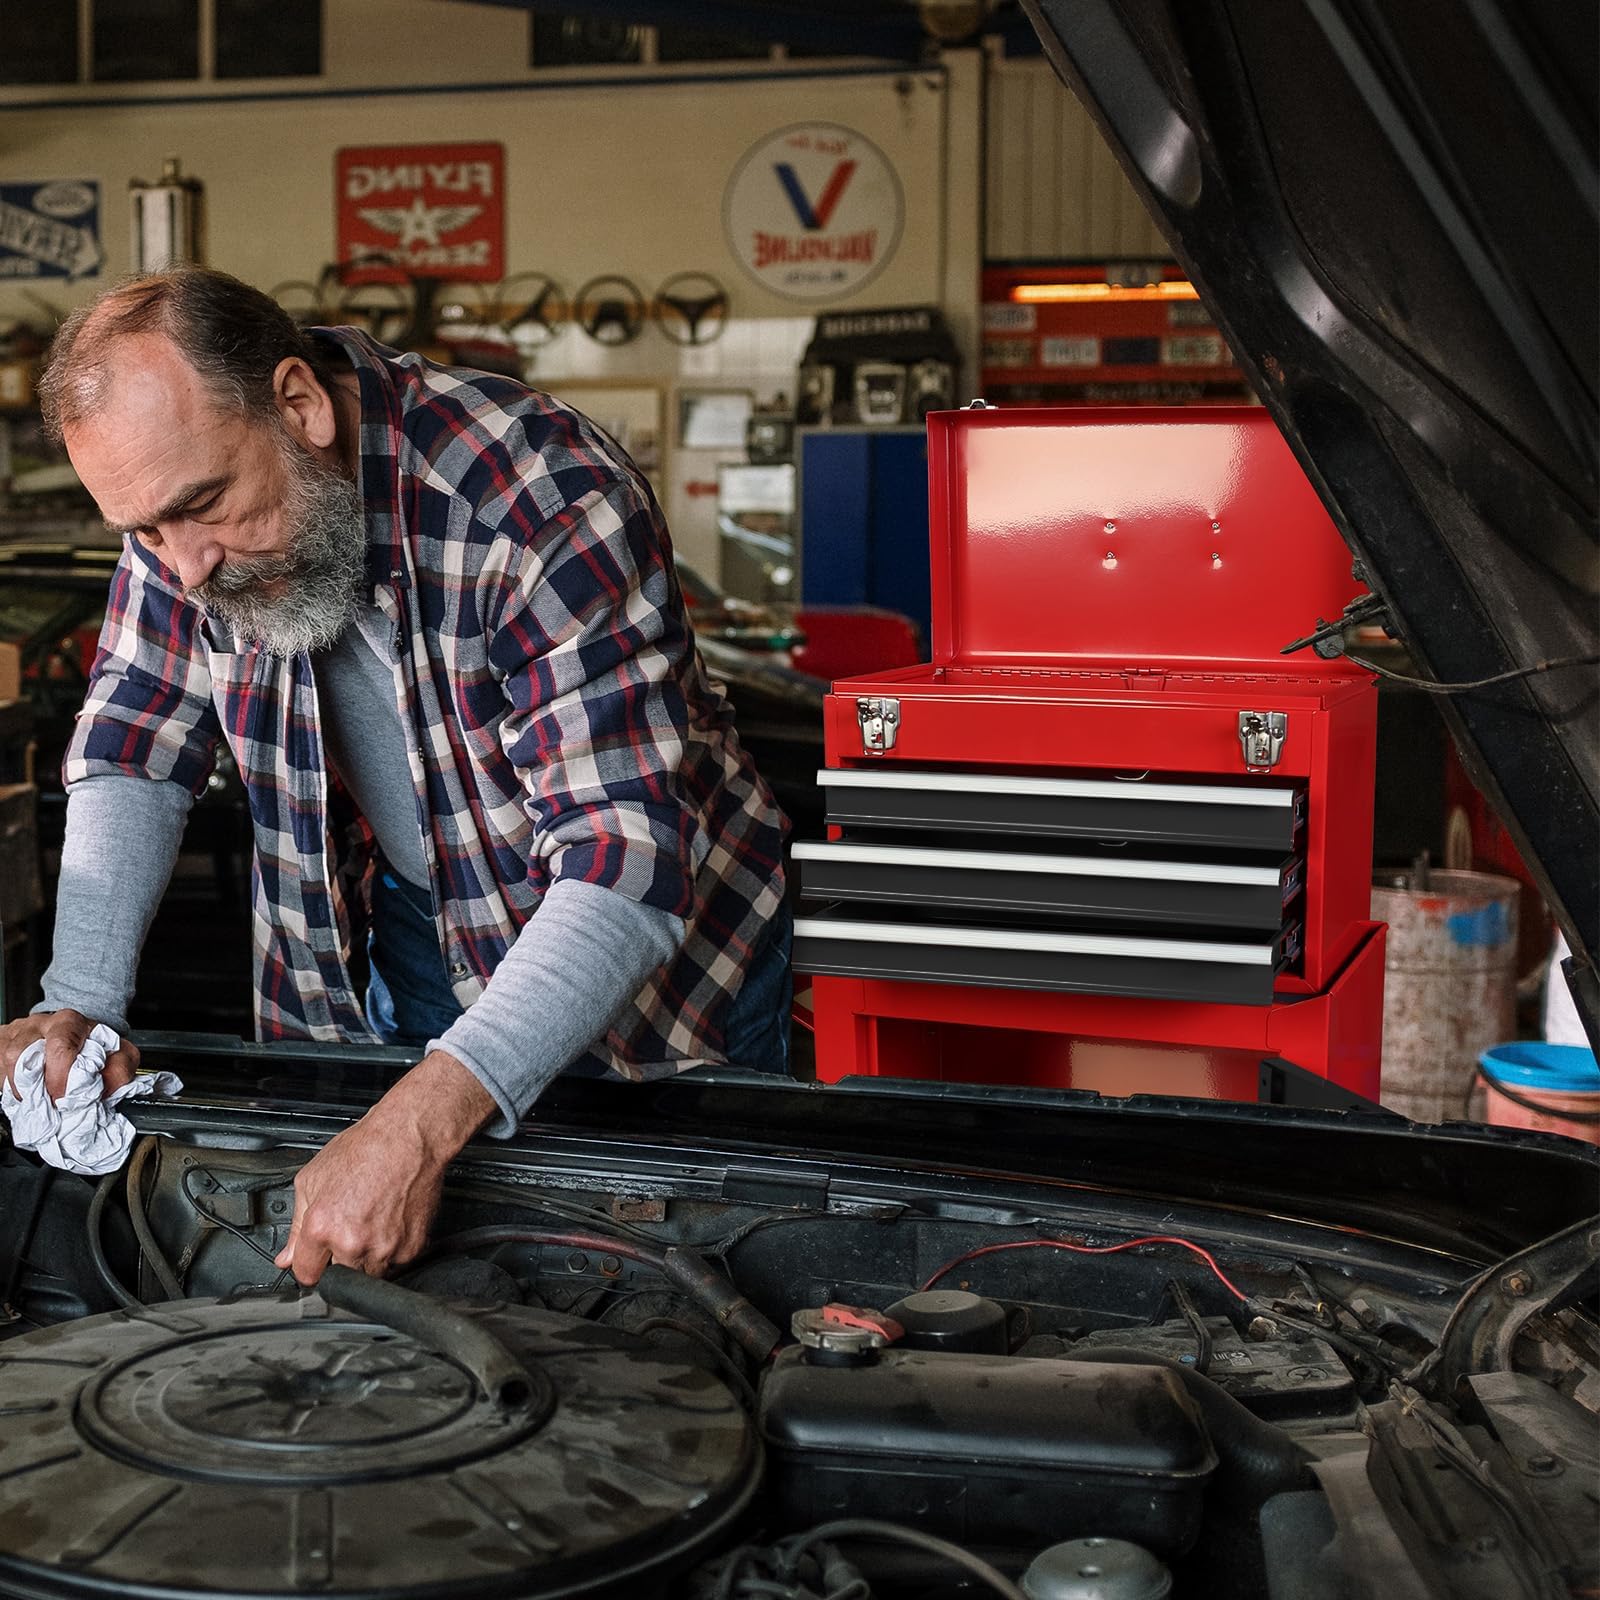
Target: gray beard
[322,574]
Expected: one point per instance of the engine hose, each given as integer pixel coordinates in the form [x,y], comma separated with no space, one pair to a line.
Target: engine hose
[1256,1459]
[704,1285]
[503,1377]
[153,1253]
[716,1294]
[97,1244]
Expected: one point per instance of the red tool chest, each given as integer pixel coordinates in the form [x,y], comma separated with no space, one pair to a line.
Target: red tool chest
[1108,810]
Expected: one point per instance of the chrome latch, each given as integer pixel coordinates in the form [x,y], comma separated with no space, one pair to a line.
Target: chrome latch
[880,722]
[1261,736]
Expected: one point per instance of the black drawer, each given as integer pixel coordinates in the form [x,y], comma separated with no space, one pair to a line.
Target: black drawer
[858,943]
[874,870]
[1207,815]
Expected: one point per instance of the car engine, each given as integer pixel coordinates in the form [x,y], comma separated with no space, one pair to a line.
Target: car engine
[635,1390]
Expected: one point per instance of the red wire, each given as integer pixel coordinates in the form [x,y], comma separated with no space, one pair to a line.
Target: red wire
[1091,1250]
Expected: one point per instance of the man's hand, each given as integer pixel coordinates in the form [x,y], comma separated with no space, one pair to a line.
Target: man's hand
[64,1034]
[367,1198]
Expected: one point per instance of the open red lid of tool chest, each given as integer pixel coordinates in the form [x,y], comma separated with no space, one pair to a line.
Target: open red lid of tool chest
[1107,734]
[1180,538]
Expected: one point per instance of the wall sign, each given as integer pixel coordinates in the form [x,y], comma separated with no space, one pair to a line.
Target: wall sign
[1117,331]
[435,210]
[813,211]
[50,230]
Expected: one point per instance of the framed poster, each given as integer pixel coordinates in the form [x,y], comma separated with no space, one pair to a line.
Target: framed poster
[714,419]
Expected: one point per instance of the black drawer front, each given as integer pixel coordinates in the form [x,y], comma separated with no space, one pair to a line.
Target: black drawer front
[843,945]
[1213,817]
[1167,893]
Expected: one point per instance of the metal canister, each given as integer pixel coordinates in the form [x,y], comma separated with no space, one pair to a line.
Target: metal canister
[166,219]
[1450,985]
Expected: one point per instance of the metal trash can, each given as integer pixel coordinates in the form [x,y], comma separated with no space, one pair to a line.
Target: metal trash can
[1450,986]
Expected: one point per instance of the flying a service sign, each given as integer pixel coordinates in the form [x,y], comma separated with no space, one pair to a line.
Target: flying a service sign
[434,210]
[813,211]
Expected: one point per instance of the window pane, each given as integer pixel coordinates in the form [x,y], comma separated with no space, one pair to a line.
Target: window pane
[136,40]
[38,41]
[584,41]
[698,44]
[269,38]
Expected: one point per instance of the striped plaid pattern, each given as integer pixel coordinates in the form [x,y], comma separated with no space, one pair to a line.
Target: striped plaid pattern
[563,724]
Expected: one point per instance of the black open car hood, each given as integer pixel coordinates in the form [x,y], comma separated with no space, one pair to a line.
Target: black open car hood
[1391,211]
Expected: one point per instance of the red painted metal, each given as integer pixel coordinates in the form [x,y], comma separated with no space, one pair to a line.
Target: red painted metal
[843,641]
[868,1027]
[1166,538]
[1111,588]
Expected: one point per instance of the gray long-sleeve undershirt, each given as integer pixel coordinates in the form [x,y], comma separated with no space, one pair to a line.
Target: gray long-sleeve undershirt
[570,974]
[120,848]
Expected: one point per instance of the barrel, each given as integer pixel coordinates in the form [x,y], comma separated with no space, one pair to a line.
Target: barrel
[1554,1088]
[1450,985]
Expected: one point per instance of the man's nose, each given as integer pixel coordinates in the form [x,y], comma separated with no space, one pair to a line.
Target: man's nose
[193,559]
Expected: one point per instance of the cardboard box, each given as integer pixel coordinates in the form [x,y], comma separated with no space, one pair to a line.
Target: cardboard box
[10,669]
[16,383]
[21,891]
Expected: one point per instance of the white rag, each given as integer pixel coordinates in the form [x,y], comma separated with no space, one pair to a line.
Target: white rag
[80,1132]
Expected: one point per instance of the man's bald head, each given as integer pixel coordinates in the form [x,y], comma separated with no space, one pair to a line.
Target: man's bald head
[233,336]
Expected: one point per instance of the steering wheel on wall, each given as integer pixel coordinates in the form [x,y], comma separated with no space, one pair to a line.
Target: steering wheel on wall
[302,300]
[691,308]
[610,310]
[531,309]
[385,309]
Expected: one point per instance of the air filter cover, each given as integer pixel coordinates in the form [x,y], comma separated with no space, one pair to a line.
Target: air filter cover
[271,1447]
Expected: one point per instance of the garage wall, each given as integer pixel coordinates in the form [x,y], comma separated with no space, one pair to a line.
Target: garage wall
[366,42]
[1055,191]
[600,178]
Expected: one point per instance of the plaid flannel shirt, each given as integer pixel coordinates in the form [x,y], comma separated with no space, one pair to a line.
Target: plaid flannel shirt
[562,722]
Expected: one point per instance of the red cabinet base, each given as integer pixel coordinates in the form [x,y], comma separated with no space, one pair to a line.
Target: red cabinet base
[870,1028]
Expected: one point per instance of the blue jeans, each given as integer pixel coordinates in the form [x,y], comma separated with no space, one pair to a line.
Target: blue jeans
[409,999]
[756,1034]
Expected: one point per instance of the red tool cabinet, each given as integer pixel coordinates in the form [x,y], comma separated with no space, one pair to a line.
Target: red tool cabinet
[1109,837]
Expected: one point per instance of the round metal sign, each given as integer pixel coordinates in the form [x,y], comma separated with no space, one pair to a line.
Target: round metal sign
[814,211]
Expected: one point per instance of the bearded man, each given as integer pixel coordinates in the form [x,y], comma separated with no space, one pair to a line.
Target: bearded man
[434,616]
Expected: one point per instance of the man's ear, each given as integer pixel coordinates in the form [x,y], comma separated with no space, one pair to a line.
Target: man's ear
[305,406]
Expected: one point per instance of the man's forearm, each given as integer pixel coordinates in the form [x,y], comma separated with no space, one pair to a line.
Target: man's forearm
[582,957]
[121,845]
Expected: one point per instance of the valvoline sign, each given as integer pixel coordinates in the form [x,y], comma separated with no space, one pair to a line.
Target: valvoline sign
[435,210]
[813,211]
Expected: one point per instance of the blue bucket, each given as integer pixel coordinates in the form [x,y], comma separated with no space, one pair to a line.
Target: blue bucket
[1553,1087]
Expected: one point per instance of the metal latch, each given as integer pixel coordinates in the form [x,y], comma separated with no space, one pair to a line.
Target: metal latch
[880,722]
[1261,736]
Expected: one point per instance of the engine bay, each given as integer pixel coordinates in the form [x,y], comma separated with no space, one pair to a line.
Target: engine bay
[679,1380]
